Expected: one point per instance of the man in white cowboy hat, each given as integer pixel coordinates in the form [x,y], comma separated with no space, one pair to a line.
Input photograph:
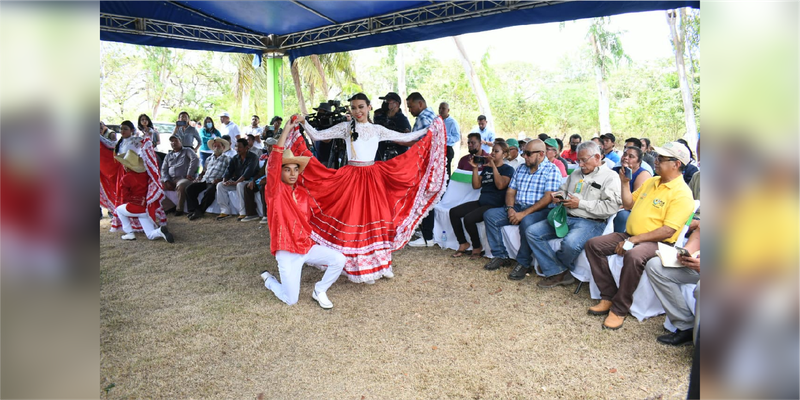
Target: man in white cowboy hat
[228,127]
[133,194]
[213,173]
[290,232]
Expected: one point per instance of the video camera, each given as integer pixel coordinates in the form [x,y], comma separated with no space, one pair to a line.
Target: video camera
[334,153]
[327,115]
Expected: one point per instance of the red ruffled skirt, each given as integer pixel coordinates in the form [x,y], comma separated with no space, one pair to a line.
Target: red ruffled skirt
[368,212]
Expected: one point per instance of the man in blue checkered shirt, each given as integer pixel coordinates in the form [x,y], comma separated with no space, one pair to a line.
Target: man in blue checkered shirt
[526,204]
[418,107]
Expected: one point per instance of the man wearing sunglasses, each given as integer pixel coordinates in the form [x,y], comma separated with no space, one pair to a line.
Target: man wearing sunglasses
[659,209]
[527,203]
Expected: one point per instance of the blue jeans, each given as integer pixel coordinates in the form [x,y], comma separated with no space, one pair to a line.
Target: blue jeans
[621,220]
[552,262]
[496,218]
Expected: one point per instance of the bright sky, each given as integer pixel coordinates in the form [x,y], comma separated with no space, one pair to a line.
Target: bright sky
[646,38]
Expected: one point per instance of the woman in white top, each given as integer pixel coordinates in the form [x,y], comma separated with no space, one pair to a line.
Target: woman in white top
[147,130]
[368,209]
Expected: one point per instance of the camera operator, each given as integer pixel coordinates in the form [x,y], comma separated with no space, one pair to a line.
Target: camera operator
[391,117]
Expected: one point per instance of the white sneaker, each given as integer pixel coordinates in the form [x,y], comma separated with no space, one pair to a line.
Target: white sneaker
[266,275]
[421,242]
[264,220]
[129,236]
[389,274]
[322,299]
[249,218]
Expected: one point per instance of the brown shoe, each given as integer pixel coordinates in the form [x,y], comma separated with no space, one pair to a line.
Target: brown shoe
[600,308]
[613,321]
[564,278]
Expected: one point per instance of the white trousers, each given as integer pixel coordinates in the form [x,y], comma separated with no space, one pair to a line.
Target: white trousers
[224,200]
[290,266]
[148,226]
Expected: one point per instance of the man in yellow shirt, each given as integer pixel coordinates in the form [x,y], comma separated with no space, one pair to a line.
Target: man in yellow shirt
[659,209]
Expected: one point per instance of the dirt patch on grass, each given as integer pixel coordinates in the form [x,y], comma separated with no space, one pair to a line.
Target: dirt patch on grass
[193,320]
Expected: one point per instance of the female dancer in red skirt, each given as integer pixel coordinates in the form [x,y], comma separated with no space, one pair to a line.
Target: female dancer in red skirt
[368,209]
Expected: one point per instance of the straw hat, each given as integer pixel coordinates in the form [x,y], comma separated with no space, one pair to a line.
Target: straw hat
[131,161]
[225,144]
[289,158]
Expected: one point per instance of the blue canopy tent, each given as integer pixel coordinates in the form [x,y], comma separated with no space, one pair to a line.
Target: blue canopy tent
[300,28]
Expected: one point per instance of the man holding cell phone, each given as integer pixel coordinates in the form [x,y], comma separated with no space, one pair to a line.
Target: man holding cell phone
[667,282]
[186,133]
[659,209]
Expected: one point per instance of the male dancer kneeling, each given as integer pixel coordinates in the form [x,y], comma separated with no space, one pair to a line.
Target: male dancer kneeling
[290,240]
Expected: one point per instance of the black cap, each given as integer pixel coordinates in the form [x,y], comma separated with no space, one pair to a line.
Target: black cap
[392,96]
[609,136]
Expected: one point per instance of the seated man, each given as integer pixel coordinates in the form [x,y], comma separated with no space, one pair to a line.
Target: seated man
[290,231]
[591,194]
[133,194]
[254,145]
[213,173]
[241,170]
[659,209]
[473,149]
[177,173]
[254,188]
[526,204]
[666,283]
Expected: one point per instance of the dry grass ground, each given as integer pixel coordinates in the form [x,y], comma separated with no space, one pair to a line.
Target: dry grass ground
[193,320]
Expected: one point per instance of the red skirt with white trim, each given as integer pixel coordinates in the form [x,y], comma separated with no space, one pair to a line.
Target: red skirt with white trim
[368,212]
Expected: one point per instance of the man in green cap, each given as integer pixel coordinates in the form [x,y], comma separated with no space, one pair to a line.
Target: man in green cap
[514,159]
[590,195]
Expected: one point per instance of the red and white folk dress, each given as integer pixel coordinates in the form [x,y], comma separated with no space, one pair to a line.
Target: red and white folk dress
[366,210]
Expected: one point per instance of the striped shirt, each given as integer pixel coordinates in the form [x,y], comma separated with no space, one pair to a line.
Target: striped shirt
[215,168]
[424,119]
[531,187]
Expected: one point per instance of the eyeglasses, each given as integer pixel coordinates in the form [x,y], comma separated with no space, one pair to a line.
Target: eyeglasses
[530,153]
[584,160]
[665,159]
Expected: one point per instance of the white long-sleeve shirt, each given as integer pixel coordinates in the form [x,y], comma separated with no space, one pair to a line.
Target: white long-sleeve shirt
[369,135]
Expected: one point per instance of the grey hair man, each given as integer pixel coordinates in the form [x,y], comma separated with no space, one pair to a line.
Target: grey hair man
[591,194]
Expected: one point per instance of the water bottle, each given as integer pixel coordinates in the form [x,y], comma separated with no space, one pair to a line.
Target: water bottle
[444,236]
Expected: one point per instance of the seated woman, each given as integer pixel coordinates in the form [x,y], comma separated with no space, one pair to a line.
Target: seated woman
[552,155]
[493,182]
[631,158]
[368,209]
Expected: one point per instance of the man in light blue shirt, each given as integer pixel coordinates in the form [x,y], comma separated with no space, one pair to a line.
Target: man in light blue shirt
[453,134]
[487,135]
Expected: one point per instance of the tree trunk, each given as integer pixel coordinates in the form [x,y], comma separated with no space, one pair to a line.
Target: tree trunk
[298,88]
[325,88]
[603,109]
[678,41]
[401,71]
[475,83]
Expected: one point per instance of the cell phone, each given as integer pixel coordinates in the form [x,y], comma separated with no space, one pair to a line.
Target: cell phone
[479,159]
[559,196]
[180,123]
[683,251]
[628,172]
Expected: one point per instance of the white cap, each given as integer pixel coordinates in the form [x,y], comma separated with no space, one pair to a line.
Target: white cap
[225,114]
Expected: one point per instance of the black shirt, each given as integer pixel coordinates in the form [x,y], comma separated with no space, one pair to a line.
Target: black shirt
[490,195]
[238,168]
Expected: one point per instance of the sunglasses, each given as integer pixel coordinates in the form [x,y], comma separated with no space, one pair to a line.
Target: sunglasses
[530,153]
[665,159]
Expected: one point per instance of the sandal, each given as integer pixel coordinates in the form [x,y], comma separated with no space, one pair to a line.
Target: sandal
[475,256]
[459,253]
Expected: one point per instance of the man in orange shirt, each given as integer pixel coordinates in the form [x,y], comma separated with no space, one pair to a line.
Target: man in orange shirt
[290,232]
[659,209]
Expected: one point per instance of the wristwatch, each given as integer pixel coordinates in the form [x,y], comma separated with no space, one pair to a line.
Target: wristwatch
[506,208]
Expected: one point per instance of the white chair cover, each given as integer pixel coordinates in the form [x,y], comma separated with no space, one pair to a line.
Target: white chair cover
[457,193]
[214,207]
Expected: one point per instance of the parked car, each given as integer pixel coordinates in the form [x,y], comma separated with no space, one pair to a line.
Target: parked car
[165,131]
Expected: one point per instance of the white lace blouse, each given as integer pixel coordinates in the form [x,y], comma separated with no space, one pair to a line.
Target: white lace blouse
[365,147]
